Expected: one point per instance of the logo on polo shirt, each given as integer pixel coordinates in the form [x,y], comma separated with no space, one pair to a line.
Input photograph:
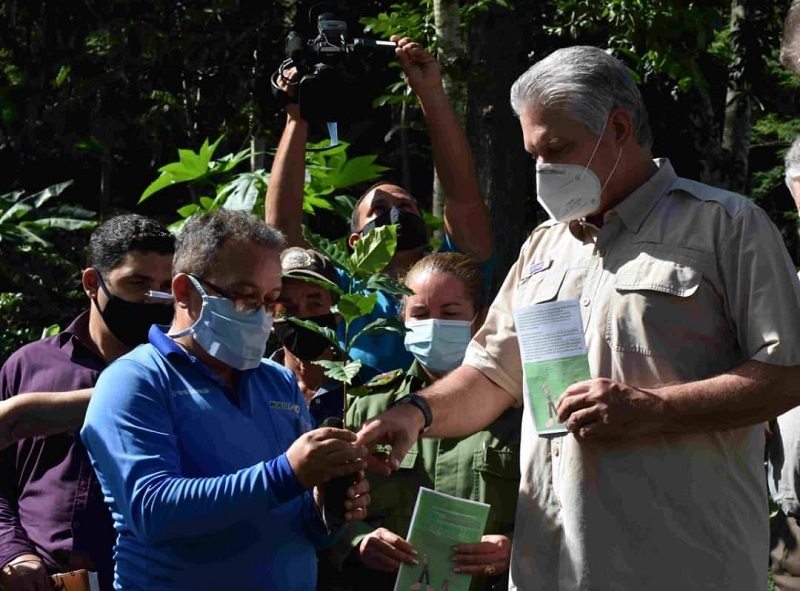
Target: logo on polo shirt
[285,406]
[190,392]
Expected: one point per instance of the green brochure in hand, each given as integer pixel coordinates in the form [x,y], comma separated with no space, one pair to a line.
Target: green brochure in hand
[553,352]
[440,522]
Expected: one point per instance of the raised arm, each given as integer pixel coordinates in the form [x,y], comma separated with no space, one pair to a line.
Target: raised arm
[465,217]
[283,207]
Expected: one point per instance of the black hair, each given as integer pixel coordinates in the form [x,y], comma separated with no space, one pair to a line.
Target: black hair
[118,236]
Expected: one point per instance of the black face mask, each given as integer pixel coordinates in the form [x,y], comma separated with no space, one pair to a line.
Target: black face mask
[411,232]
[303,342]
[128,321]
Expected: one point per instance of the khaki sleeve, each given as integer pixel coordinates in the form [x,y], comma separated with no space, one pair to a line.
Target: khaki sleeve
[495,351]
[762,290]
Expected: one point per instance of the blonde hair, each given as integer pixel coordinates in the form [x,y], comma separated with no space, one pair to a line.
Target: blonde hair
[459,266]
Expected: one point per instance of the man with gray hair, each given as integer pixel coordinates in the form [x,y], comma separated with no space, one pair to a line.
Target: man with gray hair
[691,317]
[204,449]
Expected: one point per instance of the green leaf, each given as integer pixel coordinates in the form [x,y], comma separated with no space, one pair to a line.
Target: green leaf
[312,202]
[45,195]
[188,210]
[357,170]
[371,253]
[380,282]
[326,284]
[16,211]
[342,371]
[162,182]
[43,224]
[355,305]
[380,325]
[242,192]
[333,250]
[50,331]
[320,330]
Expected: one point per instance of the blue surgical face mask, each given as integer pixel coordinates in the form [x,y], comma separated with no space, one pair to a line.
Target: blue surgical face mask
[439,345]
[236,338]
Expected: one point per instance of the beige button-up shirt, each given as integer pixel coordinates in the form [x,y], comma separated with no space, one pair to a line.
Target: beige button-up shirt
[682,282]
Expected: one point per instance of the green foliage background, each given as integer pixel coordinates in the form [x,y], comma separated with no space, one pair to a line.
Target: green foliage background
[106,94]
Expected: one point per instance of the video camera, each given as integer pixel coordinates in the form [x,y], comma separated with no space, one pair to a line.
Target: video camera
[327,66]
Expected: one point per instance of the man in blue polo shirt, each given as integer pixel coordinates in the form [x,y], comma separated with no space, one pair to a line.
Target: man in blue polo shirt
[203,448]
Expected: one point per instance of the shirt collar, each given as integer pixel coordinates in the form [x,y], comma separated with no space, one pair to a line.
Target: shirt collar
[167,347]
[634,209]
[77,333]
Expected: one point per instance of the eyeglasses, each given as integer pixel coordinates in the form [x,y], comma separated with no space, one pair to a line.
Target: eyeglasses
[241,302]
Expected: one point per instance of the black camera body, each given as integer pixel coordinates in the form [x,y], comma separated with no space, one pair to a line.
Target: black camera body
[328,70]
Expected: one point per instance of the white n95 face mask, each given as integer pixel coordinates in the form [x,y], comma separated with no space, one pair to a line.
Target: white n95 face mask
[570,191]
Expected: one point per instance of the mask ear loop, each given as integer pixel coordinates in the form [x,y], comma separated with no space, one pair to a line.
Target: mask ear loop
[603,188]
[596,146]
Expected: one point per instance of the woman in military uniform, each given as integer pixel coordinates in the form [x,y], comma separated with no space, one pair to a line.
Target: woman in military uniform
[447,308]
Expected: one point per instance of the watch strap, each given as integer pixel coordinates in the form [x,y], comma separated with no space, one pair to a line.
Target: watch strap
[422,405]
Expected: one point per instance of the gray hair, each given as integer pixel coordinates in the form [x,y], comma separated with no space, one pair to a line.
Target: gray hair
[792,162]
[588,83]
[202,236]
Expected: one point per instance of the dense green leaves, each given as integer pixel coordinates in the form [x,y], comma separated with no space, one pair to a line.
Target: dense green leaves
[25,220]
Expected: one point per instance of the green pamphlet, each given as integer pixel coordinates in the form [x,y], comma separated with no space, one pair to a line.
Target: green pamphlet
[553,351]
[440,522]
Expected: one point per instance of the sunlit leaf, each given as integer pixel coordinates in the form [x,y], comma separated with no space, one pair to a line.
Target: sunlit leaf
[371,253]
[340,370]
[355,305]
[242,192]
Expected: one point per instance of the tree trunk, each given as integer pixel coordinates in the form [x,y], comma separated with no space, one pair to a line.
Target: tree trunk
[497,55]
[447,20]
[738,116]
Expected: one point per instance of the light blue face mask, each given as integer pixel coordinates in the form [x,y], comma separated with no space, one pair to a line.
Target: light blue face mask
[439,345]
[235,338]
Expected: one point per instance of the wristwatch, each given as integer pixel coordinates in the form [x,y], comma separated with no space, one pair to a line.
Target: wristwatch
[422,405]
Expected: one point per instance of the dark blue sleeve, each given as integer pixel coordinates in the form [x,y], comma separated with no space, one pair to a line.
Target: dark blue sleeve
[131,440]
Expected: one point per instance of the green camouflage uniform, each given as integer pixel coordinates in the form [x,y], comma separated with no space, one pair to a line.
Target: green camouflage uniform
[482,467]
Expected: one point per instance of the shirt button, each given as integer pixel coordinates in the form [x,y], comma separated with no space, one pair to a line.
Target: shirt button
[584,301]
[600,252]
[555,452]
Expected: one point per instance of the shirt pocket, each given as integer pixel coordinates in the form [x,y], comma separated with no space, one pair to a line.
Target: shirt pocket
[654,309]
[541,287]
[496,473]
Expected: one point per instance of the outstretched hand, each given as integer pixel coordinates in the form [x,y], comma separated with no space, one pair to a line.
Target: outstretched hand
[399,427]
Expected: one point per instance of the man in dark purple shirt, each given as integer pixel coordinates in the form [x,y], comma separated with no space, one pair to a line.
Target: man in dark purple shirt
[52,515]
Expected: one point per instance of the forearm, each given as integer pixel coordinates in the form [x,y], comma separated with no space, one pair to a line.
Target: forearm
[752,393]
[464,402]
[466,219]
[164,508]
[283,207]
[39,414]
